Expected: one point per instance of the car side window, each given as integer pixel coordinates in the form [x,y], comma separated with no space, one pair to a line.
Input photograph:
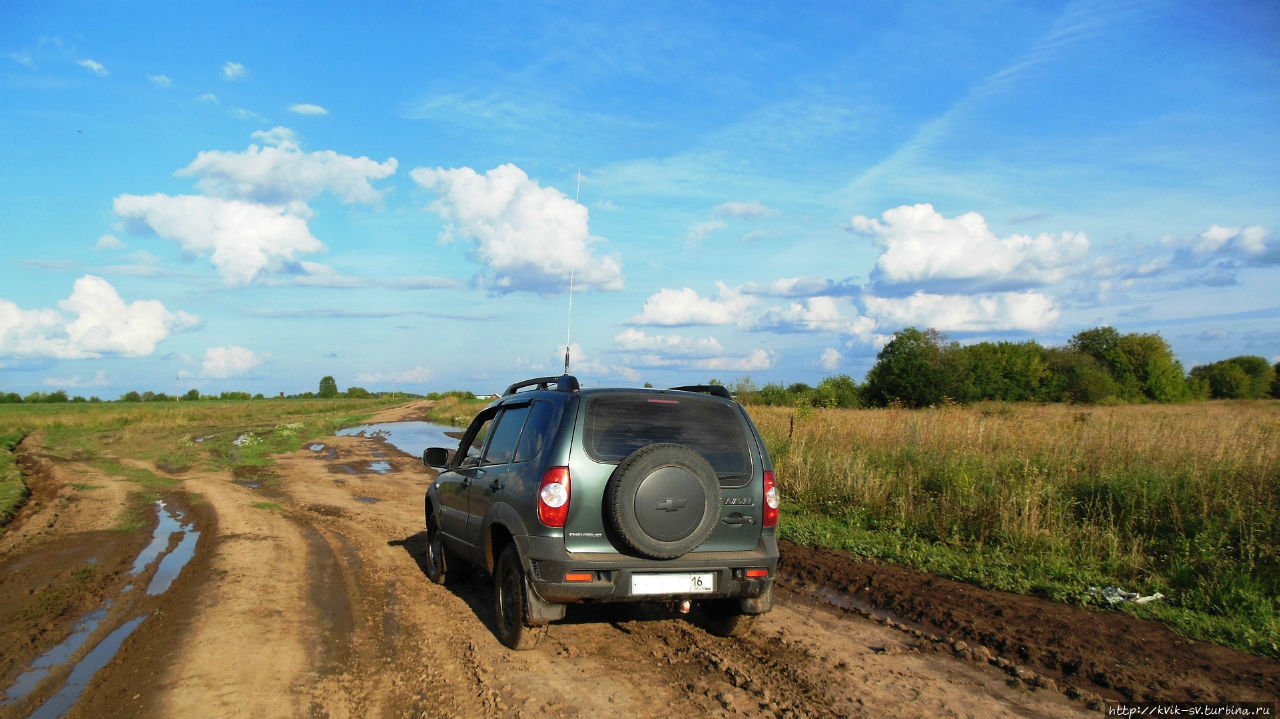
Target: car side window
[502,447]
[536,429]
[474,441]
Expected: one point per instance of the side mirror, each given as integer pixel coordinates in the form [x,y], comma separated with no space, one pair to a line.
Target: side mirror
[435,457]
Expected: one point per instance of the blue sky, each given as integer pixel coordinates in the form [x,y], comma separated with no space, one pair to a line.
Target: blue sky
[233,196]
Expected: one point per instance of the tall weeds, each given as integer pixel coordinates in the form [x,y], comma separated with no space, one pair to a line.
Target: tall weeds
[1179,499]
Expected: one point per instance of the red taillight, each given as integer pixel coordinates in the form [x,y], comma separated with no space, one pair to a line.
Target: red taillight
[579,576]
[757,573]
[771,501]
[553,497]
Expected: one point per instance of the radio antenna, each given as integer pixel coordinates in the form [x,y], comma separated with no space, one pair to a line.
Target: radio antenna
[572,263]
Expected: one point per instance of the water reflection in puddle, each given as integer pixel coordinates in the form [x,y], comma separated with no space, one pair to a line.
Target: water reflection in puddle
[57,656]
[408,437]
[317,447]
[169,524]
[368,500]
[61,703]
[380,467]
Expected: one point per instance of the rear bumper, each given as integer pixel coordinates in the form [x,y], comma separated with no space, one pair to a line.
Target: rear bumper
[547,562]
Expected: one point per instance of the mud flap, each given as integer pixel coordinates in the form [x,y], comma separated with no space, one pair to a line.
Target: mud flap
[541,611]
[759,604]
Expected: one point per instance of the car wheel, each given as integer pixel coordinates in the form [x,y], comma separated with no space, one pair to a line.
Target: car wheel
[511,602]
[663,501]
[436,563]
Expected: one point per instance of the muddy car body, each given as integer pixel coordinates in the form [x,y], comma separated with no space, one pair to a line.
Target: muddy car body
[573,495]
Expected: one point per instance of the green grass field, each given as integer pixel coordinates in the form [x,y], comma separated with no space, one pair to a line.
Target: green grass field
[1052,500]
[174,435]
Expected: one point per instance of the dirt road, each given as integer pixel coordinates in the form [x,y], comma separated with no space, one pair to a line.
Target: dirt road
[305,597]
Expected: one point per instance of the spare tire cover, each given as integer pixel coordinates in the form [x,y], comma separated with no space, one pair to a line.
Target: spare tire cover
[662,501]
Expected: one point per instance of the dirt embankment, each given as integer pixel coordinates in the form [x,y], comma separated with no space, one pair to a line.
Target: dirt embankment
[306,597]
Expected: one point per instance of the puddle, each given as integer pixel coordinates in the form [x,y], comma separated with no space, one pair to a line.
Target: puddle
[61,654]
[848,601]
[170,526]
[165,528]
[368,500]
[380,467]
[408,437]
[250,485]
[173,562]
[62,702]
[242,439]
[317,447]
[348,469]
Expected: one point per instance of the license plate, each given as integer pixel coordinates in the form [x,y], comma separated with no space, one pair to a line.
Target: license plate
[673,583]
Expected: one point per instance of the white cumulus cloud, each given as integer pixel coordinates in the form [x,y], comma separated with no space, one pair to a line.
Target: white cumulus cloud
[281,173]
[673,308]
[231,361]
[634,340]
[754,361]
[1028,310]
[528,236]
[830,359]
[108,242]
[99,379]
[160,80]
[94,67]
[242,239]
[306,108]
[920,246]
[815,314]
[103,324]
[700,231]
[234,71]
[749,210]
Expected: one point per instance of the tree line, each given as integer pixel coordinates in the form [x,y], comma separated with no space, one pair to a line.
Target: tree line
[920,368]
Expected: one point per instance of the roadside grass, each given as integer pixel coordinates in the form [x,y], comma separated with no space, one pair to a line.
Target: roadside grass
[267,505]
[1051,500]
[13,491]
[455,411]
[175,436]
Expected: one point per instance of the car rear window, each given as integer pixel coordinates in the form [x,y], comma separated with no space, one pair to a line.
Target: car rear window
[618,425]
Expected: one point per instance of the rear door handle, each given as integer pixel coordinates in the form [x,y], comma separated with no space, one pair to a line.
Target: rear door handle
[736,518]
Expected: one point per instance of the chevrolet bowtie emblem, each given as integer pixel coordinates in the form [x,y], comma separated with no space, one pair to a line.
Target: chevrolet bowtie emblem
[671,504]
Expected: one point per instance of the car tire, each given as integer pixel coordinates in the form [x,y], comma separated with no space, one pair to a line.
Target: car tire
[435,560]
[512,603]
[662,501]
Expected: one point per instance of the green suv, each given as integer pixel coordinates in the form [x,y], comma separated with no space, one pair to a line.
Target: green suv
[566,494]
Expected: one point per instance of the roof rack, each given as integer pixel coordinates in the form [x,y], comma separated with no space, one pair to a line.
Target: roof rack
[711,389]
[563,383]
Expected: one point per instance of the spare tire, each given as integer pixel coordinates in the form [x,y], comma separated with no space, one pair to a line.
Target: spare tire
[662,501]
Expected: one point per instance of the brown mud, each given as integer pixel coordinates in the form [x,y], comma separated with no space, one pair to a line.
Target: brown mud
[307,598]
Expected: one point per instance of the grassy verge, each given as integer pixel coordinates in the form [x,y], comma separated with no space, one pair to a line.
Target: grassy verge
[455,411]
[176,436]
[13,491]
[1053,500]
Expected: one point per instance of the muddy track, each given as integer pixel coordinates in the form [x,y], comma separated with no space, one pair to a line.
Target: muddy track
[314,603]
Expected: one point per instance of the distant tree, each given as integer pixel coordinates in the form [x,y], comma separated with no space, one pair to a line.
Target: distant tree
[1261,375]
[838,391]
[131,396]
[744,390]
[192,395]
[58,396]
[1075,377]
[648,385]
[908,370]
[328,387]
[1275,382]
[78,398]
[774,395]
[1244,377]
[358,393]
[11,398]
[1142,365]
